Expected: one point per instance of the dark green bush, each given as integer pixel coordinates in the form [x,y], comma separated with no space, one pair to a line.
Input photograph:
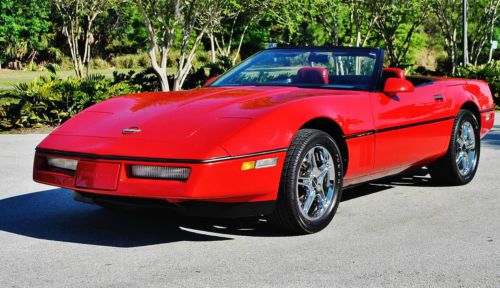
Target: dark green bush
[145,80]
[131,61]
[199,76]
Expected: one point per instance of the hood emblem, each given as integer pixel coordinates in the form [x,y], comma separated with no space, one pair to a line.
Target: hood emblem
[131,130]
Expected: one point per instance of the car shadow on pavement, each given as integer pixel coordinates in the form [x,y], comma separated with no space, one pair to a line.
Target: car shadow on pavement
[492,139]
[54,215]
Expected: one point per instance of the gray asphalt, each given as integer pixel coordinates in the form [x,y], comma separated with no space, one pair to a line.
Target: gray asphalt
[402,232]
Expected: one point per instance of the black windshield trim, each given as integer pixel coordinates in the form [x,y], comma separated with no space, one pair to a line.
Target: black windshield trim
[373,87]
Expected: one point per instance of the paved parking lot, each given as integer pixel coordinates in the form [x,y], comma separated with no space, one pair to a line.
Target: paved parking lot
[396,233]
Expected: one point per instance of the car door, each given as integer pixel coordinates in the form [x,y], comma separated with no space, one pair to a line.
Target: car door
[410,128]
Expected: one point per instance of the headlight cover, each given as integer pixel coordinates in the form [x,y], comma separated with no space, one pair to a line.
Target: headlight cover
[160,172]
[62,163]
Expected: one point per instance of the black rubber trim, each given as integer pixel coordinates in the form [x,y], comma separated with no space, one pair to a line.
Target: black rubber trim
[371,132]
[487,110]
[226,210]
[157,160]
[362,134]
[188,208]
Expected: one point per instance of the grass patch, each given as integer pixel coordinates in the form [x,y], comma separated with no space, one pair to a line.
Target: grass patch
[39,130]
[9,78]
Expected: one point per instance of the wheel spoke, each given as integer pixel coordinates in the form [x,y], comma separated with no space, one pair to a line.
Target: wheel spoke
[304,181]
[324,172]
[471,157]
[464,163]
[321,197]
[317,159]
[308,161]
[471,145]
[322,204]
[309,201]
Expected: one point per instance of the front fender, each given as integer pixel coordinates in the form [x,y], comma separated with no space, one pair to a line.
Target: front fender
[276,128]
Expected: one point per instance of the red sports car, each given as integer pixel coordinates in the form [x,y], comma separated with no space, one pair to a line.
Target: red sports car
[279,135]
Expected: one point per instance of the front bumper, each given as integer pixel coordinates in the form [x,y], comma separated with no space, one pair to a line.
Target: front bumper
[215,181]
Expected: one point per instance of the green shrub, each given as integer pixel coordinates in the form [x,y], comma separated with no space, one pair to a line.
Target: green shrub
[50,100]
[145,80]
[489,72]
[197,77]
[130,61]
[99,63]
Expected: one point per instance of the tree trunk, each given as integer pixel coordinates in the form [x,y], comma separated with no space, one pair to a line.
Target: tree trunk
[153,51]
[160,71]
[242,37]
[212,47]
[186,61]
[87,43]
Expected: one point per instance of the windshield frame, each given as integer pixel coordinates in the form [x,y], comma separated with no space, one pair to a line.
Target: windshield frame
[373,87]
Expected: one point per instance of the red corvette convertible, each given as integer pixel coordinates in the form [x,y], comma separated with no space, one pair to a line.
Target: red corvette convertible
[279,135]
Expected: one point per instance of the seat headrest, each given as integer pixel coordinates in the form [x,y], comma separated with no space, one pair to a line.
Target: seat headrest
[312,75]
[393,73]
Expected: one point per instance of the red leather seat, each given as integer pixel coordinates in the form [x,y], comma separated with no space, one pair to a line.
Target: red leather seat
[312,75]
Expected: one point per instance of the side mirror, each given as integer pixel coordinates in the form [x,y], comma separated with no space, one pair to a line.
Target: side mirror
[397,85]
[210,81]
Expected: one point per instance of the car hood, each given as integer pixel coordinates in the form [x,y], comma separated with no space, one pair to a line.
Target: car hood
[174,115]
[195,120]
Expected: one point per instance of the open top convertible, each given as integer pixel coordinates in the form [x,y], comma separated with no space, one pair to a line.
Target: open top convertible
[279,135]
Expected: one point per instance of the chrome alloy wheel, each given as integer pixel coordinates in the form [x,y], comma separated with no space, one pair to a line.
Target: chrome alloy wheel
[466,149]
[315,184]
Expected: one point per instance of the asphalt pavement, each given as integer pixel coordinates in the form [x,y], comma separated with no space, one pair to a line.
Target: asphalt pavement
[402,232]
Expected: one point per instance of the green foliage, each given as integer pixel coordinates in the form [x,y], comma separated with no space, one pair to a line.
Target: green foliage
[199,76]
[23,27]
[488,72]
[50,100]
[128,34]
[145,80]
[131,61]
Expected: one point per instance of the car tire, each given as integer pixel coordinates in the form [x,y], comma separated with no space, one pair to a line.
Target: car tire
[311,184]
[458,166]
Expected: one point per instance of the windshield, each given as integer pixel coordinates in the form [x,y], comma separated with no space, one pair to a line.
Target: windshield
[341,68]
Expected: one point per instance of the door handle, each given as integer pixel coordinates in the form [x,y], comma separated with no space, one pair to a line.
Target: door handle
[438,97]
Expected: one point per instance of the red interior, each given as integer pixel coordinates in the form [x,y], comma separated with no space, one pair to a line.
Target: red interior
[313,75]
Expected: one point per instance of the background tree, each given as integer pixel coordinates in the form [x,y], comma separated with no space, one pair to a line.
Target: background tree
[330,14]
[165,20]
[364,15]
[228,22]
[78,17]
[449,16]
[398,22]
[24,27]
[485,16]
